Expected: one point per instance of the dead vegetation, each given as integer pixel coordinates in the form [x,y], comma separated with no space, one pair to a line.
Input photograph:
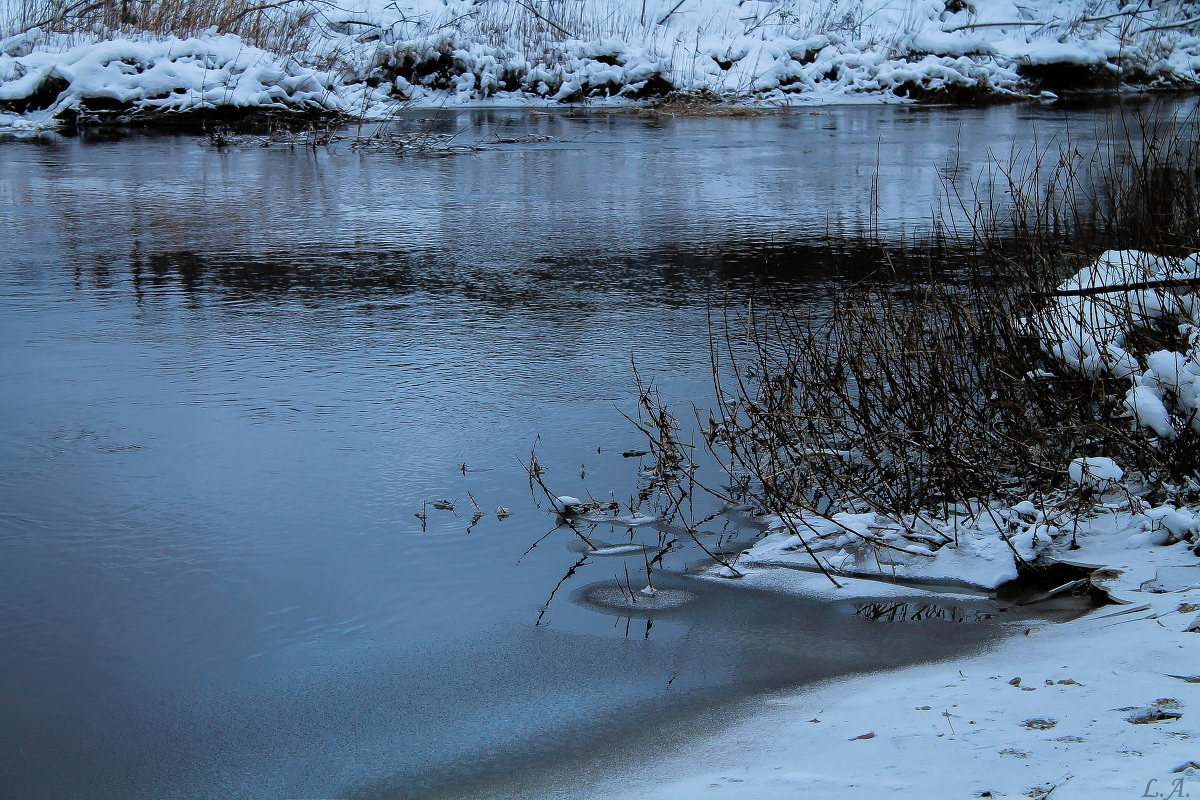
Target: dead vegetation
[699,104]
[925,393]
[275,132]
[279,25]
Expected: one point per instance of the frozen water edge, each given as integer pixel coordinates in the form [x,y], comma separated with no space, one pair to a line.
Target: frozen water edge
[968,727]
[368,60]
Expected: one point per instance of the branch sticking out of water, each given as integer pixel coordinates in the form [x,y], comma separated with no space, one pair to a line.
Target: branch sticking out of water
[535,471]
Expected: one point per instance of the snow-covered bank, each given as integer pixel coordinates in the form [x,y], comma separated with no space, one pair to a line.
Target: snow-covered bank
[156,77]
[369,59]
[1102,706]
[1085,709]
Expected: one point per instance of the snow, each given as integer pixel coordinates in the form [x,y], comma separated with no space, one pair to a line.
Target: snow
[1087,333]
[1025,508]
[1052,706]
[369,58]
[169,75]
[566,504]
[1149,411]
[1176,522]
[1094,473]
[874,547]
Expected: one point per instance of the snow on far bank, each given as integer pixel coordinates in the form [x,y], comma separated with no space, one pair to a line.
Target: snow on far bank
[369,58]
[171,75]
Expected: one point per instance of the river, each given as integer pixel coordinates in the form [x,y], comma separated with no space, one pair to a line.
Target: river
[231,378]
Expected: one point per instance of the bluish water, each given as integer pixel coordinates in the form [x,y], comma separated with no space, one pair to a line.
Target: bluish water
[230,379]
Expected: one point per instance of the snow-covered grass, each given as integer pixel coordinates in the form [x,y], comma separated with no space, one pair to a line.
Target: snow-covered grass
[58,58]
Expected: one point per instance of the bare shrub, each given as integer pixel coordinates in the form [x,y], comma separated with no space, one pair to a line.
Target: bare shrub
[931,388]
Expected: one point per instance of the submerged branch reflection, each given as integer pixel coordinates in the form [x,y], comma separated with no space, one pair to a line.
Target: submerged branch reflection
[888,611]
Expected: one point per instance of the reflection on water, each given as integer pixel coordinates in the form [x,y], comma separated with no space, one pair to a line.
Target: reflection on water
[913,611]
[230,381]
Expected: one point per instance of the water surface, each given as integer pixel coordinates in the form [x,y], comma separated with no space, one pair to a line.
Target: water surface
[230,379]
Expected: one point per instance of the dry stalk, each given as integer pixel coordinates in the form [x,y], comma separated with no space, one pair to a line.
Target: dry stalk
[927,388]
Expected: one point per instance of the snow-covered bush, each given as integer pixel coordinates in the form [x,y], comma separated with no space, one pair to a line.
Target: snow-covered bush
[1130,323]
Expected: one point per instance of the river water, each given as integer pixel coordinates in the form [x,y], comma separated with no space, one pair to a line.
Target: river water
[230,379]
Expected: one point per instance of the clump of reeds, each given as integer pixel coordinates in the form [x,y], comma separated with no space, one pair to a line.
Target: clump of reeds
[279,25]
[283,132]
[699,104]
[928,390]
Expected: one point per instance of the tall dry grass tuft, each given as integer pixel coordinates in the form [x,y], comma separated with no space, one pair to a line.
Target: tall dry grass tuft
[278,25]
[927,389]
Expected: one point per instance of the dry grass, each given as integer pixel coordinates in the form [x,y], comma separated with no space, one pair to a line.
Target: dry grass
[278,25]
[691,104]
[917,394]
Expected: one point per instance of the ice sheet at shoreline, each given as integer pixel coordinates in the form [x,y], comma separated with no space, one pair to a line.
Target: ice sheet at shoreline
[1067,706]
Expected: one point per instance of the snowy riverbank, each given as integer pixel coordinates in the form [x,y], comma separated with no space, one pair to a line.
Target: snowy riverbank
[1102,706]
[369,59]
[1082,709]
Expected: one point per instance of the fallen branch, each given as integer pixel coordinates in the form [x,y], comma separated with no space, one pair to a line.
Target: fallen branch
[1090,291]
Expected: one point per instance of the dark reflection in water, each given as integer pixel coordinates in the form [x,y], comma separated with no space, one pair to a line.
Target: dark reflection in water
[230,379]
[921,611]
[672,276]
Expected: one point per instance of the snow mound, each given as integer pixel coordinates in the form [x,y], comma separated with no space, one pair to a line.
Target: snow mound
[1091,322]
[1094,473]
[160,76]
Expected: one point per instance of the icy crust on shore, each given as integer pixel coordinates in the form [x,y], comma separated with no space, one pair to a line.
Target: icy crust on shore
[873,546]
[974,550]
[1102,706]
[369,58]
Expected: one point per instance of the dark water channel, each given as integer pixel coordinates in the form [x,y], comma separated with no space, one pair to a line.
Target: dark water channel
[230,378]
